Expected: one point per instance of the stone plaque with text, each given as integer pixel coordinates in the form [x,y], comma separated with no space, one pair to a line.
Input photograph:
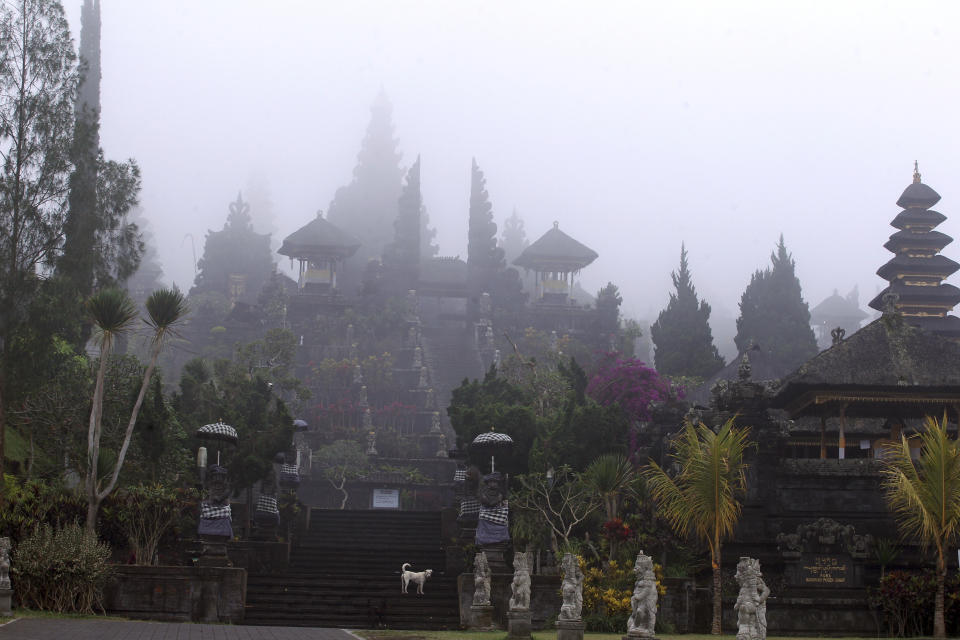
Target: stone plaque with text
[826,570]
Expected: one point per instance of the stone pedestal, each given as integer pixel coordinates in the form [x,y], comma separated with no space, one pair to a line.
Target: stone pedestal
[5,608]
[519,625]
[481,618]
[637,636]
[570,629]
[497,557]
[214,552]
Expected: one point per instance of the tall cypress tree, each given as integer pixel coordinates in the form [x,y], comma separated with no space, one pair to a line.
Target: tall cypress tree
[80,227]
[486,265]
[101,246]
[403,255]
[774,315]
[681,335]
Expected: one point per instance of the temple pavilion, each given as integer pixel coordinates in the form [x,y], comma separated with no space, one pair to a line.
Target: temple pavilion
[917,270]
[556,259]
[320,247]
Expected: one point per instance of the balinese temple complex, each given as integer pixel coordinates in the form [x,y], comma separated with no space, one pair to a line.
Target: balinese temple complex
[917,270]
[555,258]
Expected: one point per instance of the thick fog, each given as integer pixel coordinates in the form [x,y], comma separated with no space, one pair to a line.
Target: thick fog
[635,125]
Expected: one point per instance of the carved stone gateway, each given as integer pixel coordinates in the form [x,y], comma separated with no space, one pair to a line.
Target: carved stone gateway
[751,606]
[643,603]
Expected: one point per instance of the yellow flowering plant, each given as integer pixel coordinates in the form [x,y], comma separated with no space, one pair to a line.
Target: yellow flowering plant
[607,588]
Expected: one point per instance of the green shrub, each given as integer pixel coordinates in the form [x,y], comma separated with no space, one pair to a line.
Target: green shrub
[905,602]
[147,513]
[63,570]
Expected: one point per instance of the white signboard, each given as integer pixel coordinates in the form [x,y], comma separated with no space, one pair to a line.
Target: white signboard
[386,498]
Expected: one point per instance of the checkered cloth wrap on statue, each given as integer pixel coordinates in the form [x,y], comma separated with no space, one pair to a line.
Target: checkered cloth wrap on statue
[267,504]
[210,512]
[469,507]
[496,515]
[460,475]
[289,475]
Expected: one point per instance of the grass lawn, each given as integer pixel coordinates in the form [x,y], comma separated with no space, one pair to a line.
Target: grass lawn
[380,634]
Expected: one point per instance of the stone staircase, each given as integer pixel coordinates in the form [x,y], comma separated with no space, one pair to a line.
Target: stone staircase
[346,573]
[451,356]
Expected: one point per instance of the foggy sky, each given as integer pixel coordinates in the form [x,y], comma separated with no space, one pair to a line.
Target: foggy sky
[636,125]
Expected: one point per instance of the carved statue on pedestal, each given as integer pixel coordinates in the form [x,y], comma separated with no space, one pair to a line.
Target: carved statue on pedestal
[643,603]
[520,587]
[751,606]
[572,589]
[4,563]
[481,581]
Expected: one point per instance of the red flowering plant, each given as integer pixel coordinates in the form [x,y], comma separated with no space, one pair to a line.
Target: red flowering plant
[617,530]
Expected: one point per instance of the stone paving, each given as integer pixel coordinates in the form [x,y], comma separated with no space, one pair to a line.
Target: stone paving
[67,629]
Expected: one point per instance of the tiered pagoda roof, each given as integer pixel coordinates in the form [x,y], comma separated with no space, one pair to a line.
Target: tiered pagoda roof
[556,251]
[319,237]
[917,270]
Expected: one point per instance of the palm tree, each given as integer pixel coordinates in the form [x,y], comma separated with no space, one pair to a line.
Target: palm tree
[112,313]
[612,476]
[924,495]
[702,500]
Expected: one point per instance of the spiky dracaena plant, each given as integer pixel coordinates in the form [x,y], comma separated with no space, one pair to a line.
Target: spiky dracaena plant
[612,477]
[924,495]
[112,313]
[702,500]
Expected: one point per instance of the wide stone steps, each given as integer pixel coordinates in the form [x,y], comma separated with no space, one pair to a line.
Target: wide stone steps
[346,573]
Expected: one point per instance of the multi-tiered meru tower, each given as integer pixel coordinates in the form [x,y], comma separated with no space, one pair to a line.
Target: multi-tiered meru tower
[917,270]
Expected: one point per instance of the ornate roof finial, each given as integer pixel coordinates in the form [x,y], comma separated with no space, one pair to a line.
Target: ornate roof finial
[319,213]
[916,172]
[556,224]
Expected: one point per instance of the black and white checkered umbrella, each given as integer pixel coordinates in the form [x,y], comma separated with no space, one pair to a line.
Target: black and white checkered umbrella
[218,431]
[493,438]
[491,443]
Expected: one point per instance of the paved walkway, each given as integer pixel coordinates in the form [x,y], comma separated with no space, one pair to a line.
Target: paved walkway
[66,629]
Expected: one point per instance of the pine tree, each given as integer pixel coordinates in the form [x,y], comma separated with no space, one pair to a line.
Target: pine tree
[681,335]
[513,238]
[403,255]
[367,206]
[486,265]
[774,315]
[37,82]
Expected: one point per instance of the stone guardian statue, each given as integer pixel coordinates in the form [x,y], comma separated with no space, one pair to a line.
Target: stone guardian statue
[751,606]
[643,603]
[520,587]
[571,589]
[481,581]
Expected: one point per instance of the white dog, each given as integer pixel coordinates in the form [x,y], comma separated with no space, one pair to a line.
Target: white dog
[416,577]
